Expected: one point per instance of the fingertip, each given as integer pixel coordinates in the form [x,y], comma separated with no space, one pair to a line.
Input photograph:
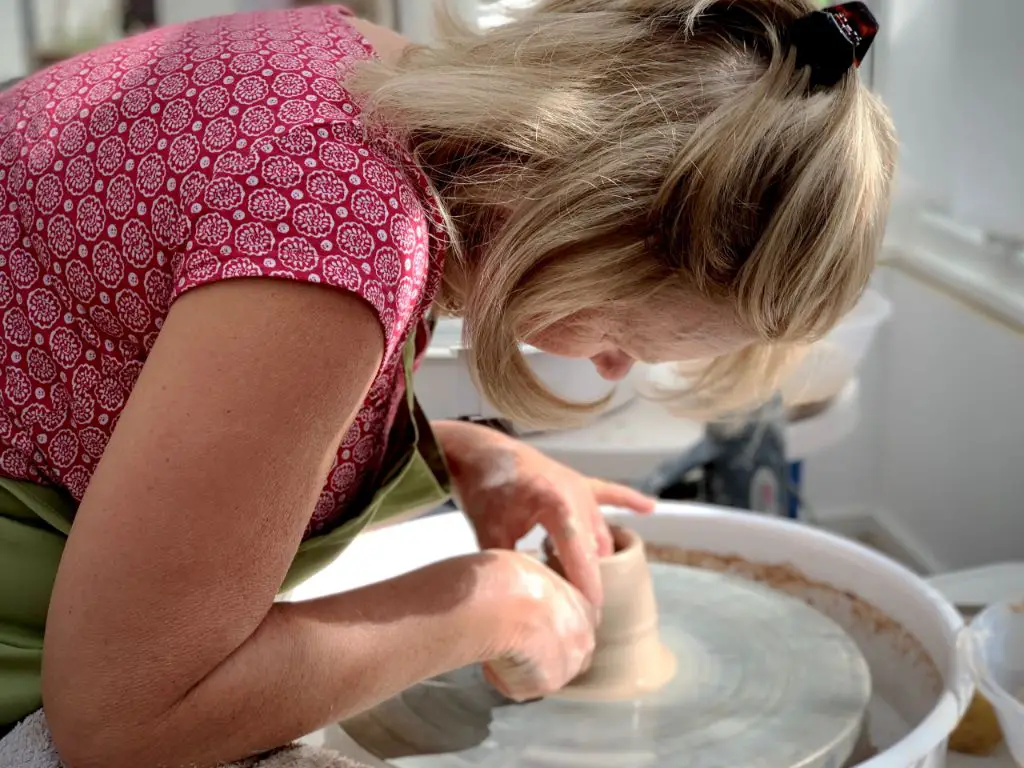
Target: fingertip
[641,503]
[589,595]
[625,497]
[595,601]
[498,683]
[586,599]
[579,567]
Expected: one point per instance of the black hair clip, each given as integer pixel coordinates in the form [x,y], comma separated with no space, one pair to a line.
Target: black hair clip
[832,40]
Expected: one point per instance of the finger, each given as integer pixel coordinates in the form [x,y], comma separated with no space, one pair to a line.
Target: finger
[587,662]
[577,553]
[492,535]
[616,495]
[591,612]
[602,534]
[521,691]
[497,682]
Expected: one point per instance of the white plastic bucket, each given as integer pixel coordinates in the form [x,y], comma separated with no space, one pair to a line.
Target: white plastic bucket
[995,649]
[907,631]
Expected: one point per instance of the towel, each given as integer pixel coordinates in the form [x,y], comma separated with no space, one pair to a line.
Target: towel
[29,746]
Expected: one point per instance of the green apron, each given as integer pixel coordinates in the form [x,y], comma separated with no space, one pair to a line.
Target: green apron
[35,522]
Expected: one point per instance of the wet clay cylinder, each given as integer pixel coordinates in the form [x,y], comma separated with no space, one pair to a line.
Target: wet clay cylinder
[629,659]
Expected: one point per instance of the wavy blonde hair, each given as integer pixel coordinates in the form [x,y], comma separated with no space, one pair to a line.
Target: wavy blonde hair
[593,152]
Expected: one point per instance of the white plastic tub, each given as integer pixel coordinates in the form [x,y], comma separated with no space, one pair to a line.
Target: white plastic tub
[446,390]
[828,366]
[855,334]
[995,649]
[906,630]
[834,360]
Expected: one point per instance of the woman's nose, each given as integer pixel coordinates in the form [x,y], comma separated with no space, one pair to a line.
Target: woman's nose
[612,366]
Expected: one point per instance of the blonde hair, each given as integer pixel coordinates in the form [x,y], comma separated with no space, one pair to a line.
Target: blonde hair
[590,153]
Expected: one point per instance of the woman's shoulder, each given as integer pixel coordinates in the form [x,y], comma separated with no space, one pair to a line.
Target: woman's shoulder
[246,69]
[320,203]
[232,143]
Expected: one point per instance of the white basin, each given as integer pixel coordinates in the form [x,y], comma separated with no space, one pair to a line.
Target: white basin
[995,648]
[906,630]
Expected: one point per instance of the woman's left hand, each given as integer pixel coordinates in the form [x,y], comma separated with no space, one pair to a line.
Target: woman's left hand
[506,488]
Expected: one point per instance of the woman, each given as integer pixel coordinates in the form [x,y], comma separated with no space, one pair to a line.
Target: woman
[616,180]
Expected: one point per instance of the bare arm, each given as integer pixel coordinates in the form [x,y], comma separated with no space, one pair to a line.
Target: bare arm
[163,644]
[474,453]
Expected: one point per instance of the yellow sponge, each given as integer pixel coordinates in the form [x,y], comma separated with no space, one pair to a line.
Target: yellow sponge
[979,732]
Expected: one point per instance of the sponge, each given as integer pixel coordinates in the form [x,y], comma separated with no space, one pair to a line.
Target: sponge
[979,733]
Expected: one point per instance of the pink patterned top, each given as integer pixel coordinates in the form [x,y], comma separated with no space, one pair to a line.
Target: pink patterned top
[219,149]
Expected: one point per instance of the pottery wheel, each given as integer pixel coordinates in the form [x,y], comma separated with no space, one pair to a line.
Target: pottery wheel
[764,681]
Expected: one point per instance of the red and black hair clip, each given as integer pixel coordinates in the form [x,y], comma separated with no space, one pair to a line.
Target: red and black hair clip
[833,40]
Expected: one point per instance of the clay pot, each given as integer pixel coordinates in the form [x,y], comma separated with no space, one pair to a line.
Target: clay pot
[630,659]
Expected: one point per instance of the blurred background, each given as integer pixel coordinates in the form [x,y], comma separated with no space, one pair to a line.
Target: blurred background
[907,429]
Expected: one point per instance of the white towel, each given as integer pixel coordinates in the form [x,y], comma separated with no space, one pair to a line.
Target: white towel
[29,746]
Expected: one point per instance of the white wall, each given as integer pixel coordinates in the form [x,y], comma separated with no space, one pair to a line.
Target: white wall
[843,479]
[98,20]
[179,11]
[950,72]
[13,56]
[94,20]
[988,184]
[940,450]
[952,445]
[416,17]
[914,70]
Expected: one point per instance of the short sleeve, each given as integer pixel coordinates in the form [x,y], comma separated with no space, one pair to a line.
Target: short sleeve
[317,204]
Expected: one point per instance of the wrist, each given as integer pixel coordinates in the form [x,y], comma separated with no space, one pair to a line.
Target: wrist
[474,452]
[492,614]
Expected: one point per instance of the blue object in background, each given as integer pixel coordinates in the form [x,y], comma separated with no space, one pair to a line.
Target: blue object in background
[750,470]
[796,475]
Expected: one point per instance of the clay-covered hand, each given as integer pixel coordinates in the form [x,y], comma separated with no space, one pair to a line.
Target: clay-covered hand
[547,637]
[506,488]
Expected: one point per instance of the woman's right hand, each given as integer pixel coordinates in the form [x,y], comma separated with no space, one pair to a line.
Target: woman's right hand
[546,632]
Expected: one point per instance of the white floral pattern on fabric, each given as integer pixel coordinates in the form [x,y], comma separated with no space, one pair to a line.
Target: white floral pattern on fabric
[221,149]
